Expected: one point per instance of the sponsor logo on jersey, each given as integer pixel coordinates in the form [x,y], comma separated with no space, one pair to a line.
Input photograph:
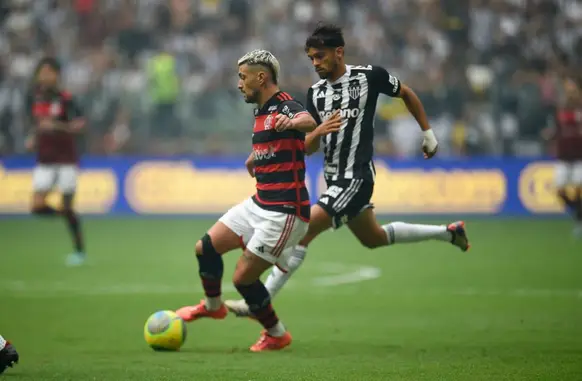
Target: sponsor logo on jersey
[264,154]
[345,113]
[55,109]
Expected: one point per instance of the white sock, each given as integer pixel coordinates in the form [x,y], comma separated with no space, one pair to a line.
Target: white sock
[277,278]
[213,303]
[401,232]
[277,331]
[2,343]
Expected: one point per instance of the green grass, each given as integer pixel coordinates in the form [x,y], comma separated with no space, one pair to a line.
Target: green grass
[510,309]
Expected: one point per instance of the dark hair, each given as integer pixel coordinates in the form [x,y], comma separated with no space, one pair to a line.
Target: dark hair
[325,36]
[51,62]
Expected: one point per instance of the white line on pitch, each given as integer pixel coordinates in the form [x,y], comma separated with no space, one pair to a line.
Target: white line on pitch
[342,274]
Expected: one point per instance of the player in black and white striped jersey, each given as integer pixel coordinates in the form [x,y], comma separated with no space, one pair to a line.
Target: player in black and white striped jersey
[343,104]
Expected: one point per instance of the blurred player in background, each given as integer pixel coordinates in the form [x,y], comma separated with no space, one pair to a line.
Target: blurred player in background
[55,120]
[567,139]
[275,218]
[8,355]
[347,95]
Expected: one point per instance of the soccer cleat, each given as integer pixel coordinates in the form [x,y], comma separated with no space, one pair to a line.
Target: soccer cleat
[271,343]
[459,235]
[75,259]
[238,307]
[191,313]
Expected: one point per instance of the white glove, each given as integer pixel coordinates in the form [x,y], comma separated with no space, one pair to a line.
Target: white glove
[429,144]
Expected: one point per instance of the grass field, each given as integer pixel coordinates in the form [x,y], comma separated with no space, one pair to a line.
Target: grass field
[510,309]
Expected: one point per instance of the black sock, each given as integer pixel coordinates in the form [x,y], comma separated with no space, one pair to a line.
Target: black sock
[259,301]
[75,228]
[45,211]
[210,268]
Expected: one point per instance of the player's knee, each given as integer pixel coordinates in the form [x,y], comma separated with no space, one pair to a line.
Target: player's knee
[374,241]
[240,279]
[371,244]
[242,276]
[37,203]
[205,247]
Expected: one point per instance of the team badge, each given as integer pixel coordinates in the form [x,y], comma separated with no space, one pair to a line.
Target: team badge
[269,121]
[55,109]
[354,91]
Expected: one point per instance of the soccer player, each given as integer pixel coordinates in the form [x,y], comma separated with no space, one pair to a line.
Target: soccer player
[567,136]
[8,355]
[350,93]
[275,218]
[56,120]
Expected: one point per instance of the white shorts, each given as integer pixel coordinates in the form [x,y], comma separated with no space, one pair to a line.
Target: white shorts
[46,177]
[568,174]
[265,233]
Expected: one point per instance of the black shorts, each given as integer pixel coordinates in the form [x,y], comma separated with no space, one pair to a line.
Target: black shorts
[345,199]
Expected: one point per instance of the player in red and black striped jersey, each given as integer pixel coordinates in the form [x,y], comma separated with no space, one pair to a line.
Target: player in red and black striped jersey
[567,138]
[277,160]
[275,218]
[55,119]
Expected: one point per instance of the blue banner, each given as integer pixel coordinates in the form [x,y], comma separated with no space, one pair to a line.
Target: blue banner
[211,185]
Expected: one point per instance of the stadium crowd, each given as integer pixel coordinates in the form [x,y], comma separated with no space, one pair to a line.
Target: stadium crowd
[159,76]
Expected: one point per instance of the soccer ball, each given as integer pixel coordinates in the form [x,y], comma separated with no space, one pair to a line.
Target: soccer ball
[165,331]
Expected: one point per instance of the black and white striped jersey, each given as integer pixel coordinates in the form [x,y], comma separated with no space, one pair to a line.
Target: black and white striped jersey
[348,153]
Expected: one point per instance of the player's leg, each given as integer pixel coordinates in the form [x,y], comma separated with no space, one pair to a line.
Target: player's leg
[67,184]
[224,236]
[320,221]
[562,177]
[323,217]
[247,281]
[369,232]
[274,232]
[43,180]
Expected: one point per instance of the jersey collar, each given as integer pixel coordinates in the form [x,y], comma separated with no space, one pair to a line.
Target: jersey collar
[269,106]
[346,74]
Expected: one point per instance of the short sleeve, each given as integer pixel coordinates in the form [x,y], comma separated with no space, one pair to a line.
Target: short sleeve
[311,107]
[291,108]
[385,82]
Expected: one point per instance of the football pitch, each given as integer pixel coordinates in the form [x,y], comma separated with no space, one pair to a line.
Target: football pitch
[509,309]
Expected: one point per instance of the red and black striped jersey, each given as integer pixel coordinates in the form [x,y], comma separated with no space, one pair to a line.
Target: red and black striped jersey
[54,146]
[279,159]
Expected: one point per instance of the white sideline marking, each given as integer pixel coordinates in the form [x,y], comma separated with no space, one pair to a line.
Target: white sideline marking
[341,274]
[360,274]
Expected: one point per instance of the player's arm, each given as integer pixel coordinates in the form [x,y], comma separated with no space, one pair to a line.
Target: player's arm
[293,116]
[250,164]
[75,120]
[330,125]
[391,86]
[313,139]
